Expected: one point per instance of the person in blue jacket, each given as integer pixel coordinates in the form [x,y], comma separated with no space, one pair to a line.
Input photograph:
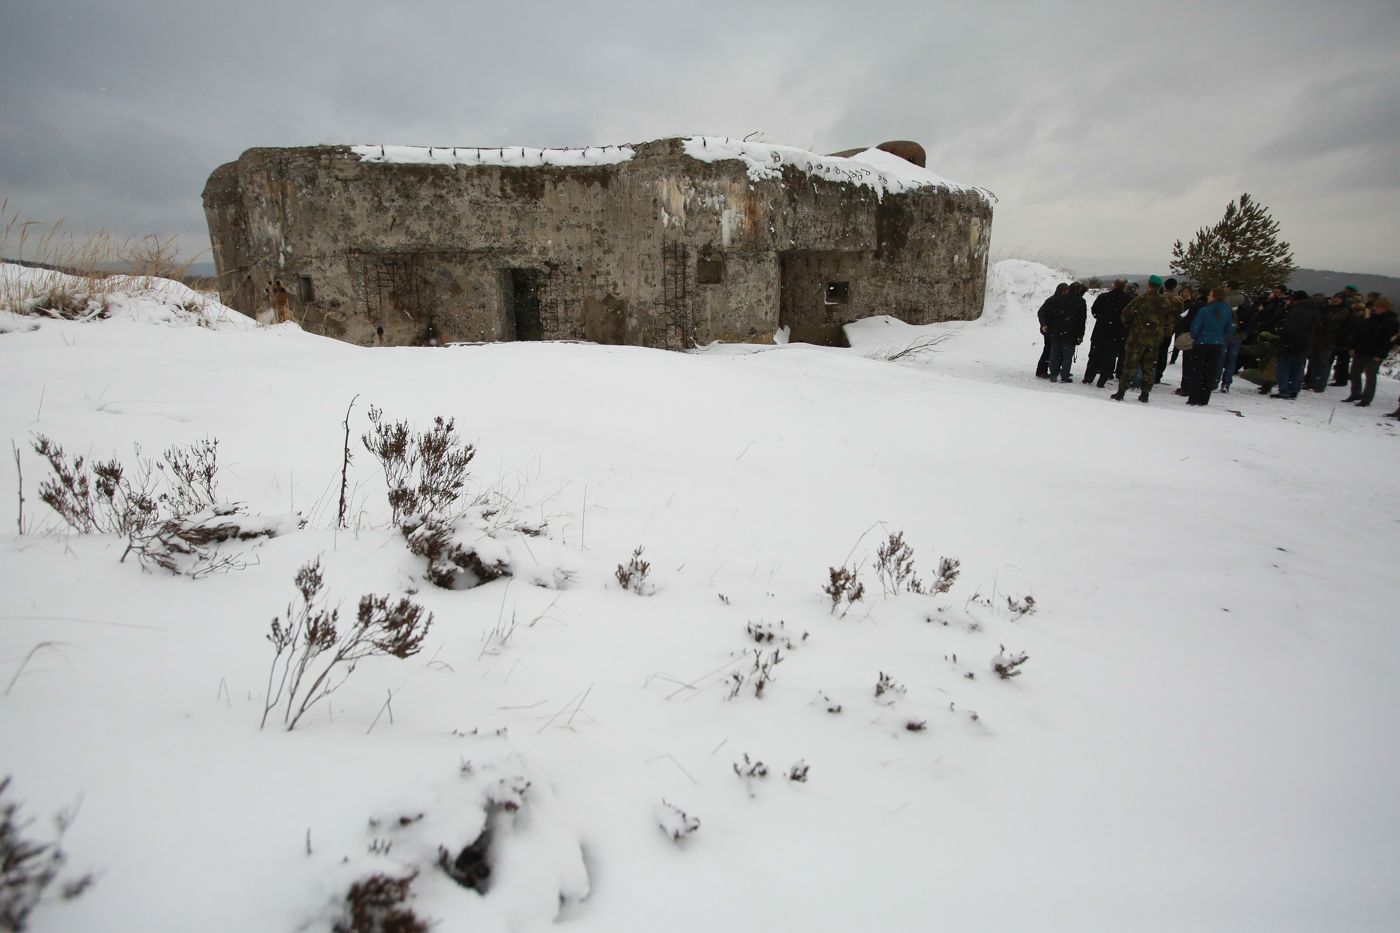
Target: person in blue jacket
[1210,329]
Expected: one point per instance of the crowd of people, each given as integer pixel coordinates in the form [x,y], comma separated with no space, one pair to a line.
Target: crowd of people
[1285,342]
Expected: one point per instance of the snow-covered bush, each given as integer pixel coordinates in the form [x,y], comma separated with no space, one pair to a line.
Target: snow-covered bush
[485,543]
[425,474]
[376,905]
[168,509]
[29,868]
[380,628]
[632,576]
[675,822]
[1020,607]
[765,633]
[888,690]
[188,545]
[750,770]
[1008,665]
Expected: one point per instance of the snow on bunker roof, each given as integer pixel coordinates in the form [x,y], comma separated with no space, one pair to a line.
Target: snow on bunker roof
[507,156]
[882,172]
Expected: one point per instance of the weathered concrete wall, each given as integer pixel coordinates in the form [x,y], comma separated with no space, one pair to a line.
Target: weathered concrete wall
[662,250]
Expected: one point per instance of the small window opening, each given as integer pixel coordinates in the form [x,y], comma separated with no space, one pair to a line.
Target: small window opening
[305,291]
[838,293]
[709,271]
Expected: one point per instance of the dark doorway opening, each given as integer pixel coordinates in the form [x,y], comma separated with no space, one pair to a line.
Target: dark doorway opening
[524,303]
[815,296]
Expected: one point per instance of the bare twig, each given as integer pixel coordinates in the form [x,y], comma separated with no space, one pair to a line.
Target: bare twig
[19,522]
[668,756]
[388,705]
[580,705]
[345,465]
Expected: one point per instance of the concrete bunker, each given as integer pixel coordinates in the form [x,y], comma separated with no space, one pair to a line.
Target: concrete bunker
[669,244]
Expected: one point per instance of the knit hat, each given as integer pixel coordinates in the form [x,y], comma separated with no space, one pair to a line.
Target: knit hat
[1154,280]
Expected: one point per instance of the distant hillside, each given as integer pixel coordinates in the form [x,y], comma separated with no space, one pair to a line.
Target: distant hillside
[1327,282]
[1309,280]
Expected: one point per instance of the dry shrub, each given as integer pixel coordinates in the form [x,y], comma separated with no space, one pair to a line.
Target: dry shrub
[381,628]
[73,275]
[376,905]
[28,868]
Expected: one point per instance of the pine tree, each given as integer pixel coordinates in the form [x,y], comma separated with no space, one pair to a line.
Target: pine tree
[1244,247]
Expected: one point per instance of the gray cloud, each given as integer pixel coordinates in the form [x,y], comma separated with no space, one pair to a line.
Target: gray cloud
[1107,130]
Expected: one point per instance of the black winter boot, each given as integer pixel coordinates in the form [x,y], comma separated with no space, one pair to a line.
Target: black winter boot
[1142,397]
[1117,396]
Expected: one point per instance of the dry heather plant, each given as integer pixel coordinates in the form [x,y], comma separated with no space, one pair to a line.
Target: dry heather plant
[888,690]
[1006,665]
[424,471]
[632,576]
[376,905]
[894,566]
[675,822]
[311,631]
[844,586]
[760,674]
[29,868]
[168,509]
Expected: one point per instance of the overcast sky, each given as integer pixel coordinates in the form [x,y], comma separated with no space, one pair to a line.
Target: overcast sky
[1106,129]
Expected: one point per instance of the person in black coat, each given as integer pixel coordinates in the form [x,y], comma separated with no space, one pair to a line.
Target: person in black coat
[1375,337]
[1106,342]
[1294,340]
[1042,367]
[1183,343]
[1067,318]
[1346,341]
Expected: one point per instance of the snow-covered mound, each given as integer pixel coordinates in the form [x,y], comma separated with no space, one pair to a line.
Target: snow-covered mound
[27,292]
[1153,695]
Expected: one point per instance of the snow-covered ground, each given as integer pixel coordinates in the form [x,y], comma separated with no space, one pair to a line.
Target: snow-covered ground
[1202,737]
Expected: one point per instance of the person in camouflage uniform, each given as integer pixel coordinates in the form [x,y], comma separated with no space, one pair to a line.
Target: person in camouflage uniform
[1149,319]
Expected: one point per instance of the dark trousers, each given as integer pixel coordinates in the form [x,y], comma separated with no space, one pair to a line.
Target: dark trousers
[1091,359]
[1341,375]
[1188,370]
[1290,373]
[1364,369]
[1319,365]
[1107,359]
[1229,363]
[1205,372]
[1042,368]
[1162,359]
[1061,357]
